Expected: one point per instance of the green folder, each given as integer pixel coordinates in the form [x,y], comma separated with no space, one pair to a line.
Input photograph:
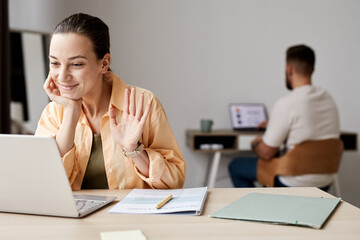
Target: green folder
[280,209]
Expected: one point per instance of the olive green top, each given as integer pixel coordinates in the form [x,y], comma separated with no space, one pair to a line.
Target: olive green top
[95,175]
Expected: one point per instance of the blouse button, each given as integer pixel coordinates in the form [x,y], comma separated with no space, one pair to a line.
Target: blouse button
[110,170]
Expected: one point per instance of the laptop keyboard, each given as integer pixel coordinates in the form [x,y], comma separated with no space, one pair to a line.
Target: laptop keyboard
[84,205]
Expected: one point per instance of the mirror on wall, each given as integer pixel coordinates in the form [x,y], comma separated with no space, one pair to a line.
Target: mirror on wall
[29,68]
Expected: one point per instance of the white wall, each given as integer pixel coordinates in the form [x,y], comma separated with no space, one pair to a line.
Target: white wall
[199,55]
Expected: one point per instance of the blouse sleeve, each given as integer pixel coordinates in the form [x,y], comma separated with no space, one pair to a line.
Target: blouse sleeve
[167,166]
[48,125]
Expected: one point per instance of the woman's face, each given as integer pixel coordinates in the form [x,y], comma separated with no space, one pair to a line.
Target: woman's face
[74,66]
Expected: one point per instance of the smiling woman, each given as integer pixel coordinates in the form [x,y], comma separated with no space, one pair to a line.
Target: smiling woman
[109,135]
[75,69]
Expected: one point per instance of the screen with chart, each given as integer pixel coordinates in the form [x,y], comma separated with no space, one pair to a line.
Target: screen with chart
[247,116]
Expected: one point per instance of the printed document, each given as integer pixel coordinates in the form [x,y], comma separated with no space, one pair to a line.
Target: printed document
[143,201]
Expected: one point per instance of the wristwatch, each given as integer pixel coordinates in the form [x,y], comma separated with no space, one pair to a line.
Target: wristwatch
[134,153]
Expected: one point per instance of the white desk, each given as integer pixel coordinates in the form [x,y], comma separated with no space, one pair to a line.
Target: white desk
[344,223]
[232,144]
[231,141]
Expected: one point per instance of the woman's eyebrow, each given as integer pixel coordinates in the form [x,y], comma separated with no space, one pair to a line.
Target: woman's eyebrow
[78,56]
[70,58]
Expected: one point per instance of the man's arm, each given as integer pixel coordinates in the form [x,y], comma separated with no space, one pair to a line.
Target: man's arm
[262,150]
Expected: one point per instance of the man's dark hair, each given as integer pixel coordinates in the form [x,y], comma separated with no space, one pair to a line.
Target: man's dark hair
[303,59]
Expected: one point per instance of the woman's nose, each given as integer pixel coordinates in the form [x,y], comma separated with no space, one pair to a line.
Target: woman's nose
[63,75]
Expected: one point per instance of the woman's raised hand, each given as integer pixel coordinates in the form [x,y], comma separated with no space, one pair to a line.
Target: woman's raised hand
[128,131]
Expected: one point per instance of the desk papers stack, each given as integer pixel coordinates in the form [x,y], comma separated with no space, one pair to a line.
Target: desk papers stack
[143,201]
[280,209]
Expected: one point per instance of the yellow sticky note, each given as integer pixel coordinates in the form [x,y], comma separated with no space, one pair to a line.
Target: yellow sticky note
[117,235]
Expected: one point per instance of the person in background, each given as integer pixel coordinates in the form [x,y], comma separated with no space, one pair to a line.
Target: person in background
[110,135]
[307,113]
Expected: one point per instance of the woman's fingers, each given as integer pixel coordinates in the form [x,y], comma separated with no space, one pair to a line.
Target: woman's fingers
[139,108]
[47,82]
[126,102]
[112,116]
[53,92]
[127,131]
[132,106]
[50,88]
[145,115]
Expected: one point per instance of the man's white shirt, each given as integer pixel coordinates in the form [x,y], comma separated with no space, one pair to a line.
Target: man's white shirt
[307,113]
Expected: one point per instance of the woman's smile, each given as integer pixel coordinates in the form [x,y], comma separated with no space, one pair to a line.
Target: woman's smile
[67,87]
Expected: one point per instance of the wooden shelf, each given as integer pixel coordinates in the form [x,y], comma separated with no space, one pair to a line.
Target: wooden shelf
[229,139]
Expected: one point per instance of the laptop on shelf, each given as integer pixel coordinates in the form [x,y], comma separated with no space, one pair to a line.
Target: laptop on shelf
[33,180]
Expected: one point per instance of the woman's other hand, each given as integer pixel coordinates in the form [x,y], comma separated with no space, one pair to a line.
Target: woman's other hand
[128,131]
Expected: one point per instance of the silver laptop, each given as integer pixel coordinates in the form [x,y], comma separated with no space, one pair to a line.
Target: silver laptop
[247,116]
[33,180]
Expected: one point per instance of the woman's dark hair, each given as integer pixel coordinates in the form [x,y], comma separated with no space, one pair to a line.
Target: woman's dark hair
[92,27]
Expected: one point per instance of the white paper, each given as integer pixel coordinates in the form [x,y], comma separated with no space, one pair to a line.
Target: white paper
[144,201]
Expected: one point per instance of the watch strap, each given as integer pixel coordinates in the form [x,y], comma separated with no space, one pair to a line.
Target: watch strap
[134,153]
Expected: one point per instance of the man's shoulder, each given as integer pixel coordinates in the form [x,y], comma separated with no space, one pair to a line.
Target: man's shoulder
[322,91]
[284,101]
[304,93]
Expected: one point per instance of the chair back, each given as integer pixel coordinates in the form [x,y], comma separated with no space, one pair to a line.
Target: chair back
[309,157]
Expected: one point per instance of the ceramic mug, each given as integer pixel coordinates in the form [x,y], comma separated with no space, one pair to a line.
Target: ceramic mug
[206,125]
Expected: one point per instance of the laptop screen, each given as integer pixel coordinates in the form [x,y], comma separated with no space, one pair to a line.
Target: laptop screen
[247,116]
